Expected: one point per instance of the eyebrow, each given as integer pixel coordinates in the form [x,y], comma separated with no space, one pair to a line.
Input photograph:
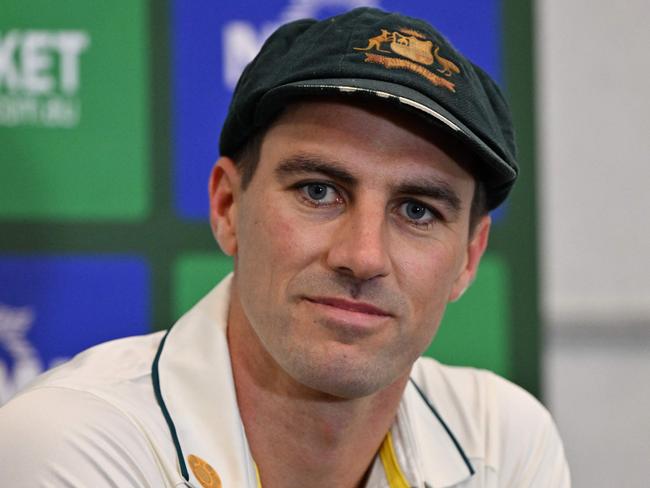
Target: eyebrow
[431,187]
[435,188]
[305,163]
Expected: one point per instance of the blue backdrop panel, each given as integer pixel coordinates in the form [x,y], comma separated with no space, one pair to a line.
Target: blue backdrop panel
[213,41]
[53,307]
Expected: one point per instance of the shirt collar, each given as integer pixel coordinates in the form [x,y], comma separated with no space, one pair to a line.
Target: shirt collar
[194,386]
[440,460]
[196,392]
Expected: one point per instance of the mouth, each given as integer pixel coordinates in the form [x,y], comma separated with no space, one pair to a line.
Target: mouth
[350,306]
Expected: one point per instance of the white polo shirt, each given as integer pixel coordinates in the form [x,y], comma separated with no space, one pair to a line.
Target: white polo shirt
[160,411]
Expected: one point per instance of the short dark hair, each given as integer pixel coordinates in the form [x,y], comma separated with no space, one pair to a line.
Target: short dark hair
[248,155]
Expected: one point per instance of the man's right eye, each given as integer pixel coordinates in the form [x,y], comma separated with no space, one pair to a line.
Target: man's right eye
[320,194]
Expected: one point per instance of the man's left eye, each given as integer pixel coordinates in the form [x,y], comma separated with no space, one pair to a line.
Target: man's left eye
[320,193]
[417,212]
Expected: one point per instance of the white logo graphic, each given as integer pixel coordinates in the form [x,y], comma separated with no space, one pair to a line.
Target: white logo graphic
[241,40]
[14,324]
[40,77]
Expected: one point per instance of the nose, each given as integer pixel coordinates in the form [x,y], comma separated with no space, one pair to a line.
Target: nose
[359,246]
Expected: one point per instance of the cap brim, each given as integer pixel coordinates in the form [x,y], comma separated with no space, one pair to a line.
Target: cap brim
[499,172]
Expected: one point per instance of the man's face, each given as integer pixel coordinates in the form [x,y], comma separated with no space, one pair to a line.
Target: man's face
[348,243]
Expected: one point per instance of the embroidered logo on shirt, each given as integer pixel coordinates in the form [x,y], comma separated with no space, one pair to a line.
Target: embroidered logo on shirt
[416,54]
[203,472]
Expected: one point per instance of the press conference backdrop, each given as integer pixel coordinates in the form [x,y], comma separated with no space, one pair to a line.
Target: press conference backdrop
[109,121]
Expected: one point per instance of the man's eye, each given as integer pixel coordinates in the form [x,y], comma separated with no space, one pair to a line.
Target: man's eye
[418,213]
[320,193]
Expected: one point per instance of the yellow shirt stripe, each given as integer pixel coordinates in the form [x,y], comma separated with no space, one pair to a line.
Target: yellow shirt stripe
[394,474]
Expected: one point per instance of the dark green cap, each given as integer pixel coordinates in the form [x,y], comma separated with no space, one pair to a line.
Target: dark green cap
[371,53]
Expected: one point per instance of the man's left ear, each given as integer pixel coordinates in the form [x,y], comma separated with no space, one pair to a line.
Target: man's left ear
[475,249]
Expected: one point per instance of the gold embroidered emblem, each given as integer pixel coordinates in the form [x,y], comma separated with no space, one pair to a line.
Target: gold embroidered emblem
[416,54]
[413,48]
[203,472]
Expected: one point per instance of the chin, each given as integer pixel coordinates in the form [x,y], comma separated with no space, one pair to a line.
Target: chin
[343,378]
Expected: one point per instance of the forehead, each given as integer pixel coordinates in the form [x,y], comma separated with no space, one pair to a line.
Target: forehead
[365,135]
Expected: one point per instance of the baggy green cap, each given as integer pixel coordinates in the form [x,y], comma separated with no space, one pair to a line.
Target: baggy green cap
[399,59]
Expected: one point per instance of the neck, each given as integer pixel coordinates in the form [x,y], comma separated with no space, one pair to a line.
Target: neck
[298,436]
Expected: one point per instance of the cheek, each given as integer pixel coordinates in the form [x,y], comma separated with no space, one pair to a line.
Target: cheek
[433,261]
[427,275]
[275,242]
[289,240]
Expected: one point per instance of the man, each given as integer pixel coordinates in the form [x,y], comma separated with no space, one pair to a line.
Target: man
[360,157]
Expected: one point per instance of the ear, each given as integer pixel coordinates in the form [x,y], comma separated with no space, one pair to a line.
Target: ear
[224,192]
[475,249]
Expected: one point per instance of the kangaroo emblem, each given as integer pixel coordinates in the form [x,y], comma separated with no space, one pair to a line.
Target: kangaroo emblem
[448,68]
[375,42]
[414,53]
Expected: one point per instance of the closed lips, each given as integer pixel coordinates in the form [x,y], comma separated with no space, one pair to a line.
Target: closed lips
[351,306]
